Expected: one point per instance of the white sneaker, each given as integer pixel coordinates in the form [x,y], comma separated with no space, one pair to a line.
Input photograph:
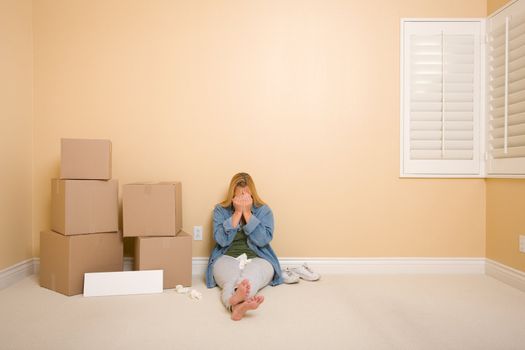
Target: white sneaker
[289,276]
[306,273]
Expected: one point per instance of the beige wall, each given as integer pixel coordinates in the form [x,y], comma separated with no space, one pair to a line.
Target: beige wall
[16,131]
[493,5]
[166,90]
[505,221]
[304,95]
[505,208]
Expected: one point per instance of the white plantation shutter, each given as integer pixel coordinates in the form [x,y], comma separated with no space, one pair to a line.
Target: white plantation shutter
[441,98]
[506,91]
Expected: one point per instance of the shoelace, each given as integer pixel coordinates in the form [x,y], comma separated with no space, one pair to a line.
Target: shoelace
[289,276]
[307,268]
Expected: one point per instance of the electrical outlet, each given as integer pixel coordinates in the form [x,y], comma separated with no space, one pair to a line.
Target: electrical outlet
[522,243]
[197,233]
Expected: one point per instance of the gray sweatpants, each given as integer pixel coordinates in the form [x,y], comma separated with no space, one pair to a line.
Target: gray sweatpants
[228,274]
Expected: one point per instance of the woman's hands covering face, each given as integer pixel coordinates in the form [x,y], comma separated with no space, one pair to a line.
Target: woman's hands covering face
[247,203]
[243,202]
[238,203]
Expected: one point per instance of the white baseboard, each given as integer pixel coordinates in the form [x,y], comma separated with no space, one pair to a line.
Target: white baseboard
[505,274]
[37,265]
[321,265]
[15,273]
[391,265]
[128,263]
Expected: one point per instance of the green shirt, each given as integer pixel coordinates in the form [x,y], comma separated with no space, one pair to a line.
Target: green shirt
[240,245]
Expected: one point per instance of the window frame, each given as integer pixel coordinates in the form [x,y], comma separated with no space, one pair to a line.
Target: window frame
[482,101]
[501,168]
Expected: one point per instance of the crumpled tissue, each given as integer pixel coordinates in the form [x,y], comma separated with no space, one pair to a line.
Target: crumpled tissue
[181,290]
[195,295]
[243,260]
[192,293]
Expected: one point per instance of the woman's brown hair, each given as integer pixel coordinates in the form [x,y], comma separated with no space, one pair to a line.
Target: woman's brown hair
[242,180]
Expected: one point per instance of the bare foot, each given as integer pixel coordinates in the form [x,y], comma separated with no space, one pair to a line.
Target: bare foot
[243,289]
[238,311]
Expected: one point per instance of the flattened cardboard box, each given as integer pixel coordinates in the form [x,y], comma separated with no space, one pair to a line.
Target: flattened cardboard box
[65,259]
[171,254]
[152,209]
[85,159]
[84,206]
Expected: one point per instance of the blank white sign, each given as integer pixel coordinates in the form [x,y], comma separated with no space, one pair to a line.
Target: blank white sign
[122,283]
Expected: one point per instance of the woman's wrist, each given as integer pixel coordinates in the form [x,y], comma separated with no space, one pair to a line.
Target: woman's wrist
[236,218]
[247,215]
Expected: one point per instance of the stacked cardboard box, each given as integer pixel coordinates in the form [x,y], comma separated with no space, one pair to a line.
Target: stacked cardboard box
[84,233]
[152,212]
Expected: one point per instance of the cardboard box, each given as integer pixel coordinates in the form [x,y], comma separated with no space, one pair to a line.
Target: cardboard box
[84,206]
[152,209]
[171,254]
[65,259]
[85,159]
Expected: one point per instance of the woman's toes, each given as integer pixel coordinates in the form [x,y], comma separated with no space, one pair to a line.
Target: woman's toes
[254,302]
[239,310]
[247,284]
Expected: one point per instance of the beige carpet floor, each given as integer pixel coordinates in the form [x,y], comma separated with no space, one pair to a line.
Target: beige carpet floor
[337,312]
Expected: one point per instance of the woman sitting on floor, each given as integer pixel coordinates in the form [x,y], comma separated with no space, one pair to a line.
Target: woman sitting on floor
[242,262]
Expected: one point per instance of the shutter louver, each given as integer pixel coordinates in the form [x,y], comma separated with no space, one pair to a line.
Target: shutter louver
[442,89]
[506,91]
[441,103]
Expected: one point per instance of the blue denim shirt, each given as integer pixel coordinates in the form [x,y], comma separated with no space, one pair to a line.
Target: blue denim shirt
[259,232]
